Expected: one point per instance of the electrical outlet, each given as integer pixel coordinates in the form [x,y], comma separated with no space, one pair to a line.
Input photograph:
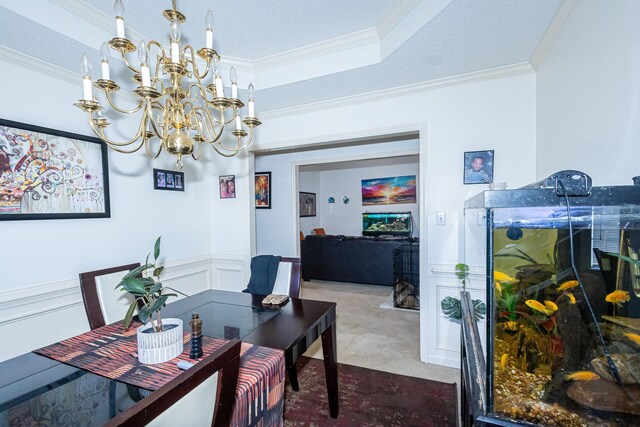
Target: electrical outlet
[441,218]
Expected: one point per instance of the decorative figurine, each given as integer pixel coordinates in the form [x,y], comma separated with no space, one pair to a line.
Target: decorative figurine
[196,336]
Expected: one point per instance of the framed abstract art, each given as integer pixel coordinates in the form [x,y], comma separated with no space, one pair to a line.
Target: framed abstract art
[51,174]
[263,190]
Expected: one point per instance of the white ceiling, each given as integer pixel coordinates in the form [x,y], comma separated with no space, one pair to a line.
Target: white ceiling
[303,51]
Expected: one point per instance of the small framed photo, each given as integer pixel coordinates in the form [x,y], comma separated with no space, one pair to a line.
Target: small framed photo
[307,204]
[478,167]
[227,186]
[168,180]
[263,190]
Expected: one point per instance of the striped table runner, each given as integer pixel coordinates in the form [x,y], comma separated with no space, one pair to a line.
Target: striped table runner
[110,351]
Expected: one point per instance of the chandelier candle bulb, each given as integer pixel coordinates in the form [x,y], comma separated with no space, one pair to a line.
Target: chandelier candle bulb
[105,56]
[233,76]
[119,9]
[208,23]
[219,88]
[174,32]
[252,108]
[87,85]
[238,122]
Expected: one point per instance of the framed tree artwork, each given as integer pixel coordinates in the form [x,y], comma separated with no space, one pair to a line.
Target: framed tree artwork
[263,190]
[51,174]
[307,203]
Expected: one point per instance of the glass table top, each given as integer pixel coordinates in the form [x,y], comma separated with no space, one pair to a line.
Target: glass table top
[223,320]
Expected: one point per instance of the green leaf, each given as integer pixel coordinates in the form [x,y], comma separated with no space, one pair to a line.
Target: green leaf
[144,314]
[158,271]
[625,258]
[175,290]
[133,286]
[479,309]
[155,288]
[156,249]
[451,307]
[159,303]
[136,271]
[129,316]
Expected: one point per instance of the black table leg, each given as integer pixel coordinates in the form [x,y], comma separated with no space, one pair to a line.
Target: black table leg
[331,368]
[292,371]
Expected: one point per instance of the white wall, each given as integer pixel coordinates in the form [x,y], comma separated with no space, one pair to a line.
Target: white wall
[496,114]
[345,179]
[589,94]
[310,183]
[40,260]
[276,227]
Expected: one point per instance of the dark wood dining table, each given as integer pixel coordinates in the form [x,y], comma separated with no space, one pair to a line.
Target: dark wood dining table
[297,325]
[291,328]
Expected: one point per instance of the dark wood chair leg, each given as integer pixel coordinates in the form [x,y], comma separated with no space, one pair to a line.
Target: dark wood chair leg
[331,368]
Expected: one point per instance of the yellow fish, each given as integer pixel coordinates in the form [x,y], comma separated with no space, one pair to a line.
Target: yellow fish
[498,288]
[582,376]
[618,297]
[510,326]
[571,297]
[551,306]
[538,307]
[499,276]
[567,285]
[633,337]
[503,361]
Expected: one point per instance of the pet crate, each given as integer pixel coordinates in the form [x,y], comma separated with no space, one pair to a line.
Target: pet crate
[406,276]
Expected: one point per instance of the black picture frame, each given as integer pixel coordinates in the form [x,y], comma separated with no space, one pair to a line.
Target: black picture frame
[227,186]
[262,187]
[307,203]
[169,180]
[476,172]
[64,175]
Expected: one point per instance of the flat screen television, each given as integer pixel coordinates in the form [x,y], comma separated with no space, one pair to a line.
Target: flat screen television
[386,223]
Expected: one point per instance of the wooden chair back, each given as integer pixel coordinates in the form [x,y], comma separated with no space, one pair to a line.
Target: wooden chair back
[203,395]
[103,303]
[288,277]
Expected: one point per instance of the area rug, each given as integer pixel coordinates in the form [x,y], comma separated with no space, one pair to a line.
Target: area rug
[368,398]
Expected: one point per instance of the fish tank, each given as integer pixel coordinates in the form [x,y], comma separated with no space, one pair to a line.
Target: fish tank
[562,269]
[386,223]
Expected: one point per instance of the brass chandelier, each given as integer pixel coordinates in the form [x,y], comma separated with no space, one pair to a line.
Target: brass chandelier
[177,106]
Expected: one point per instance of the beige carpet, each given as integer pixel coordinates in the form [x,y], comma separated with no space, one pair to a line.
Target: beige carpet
[373,337]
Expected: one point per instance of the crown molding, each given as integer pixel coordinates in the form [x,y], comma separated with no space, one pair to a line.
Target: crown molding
[551,32]
[337,44]
[460,79]
[23,60]
[394,16]
[96,17]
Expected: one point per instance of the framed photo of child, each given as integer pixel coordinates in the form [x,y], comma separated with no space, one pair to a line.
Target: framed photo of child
[478,167]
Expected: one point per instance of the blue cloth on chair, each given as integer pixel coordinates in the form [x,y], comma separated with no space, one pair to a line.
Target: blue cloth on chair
[264,269]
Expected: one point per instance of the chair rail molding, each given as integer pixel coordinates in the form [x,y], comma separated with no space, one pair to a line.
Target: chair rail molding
[55,311]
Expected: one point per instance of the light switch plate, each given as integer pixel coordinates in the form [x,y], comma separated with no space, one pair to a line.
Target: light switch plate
[441,218]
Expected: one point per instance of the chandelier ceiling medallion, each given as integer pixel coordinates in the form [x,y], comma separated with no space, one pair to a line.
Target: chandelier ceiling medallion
[179,103]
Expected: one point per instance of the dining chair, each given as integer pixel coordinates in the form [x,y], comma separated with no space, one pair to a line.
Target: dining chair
[288,277]
[203,395]
[103,303]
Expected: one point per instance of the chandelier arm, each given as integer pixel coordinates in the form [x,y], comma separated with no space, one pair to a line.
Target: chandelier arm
[126,62]
[200,89]
[210,126]
[122,110]
[239,147]
[194,65]
[159,60]
[154,126]
[222,153]
[193,155]
[233,116]
[147,148]
[113,144]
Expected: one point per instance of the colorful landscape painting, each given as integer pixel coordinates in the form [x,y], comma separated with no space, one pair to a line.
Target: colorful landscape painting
[389,191]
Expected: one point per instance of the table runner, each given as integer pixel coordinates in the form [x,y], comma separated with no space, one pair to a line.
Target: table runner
[110,351]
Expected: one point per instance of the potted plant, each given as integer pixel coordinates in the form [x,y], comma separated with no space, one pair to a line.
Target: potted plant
[158,340]
[451,306]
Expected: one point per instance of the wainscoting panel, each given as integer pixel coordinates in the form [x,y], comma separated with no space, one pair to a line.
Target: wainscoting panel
[40,315]
[230,273]
[443,340]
